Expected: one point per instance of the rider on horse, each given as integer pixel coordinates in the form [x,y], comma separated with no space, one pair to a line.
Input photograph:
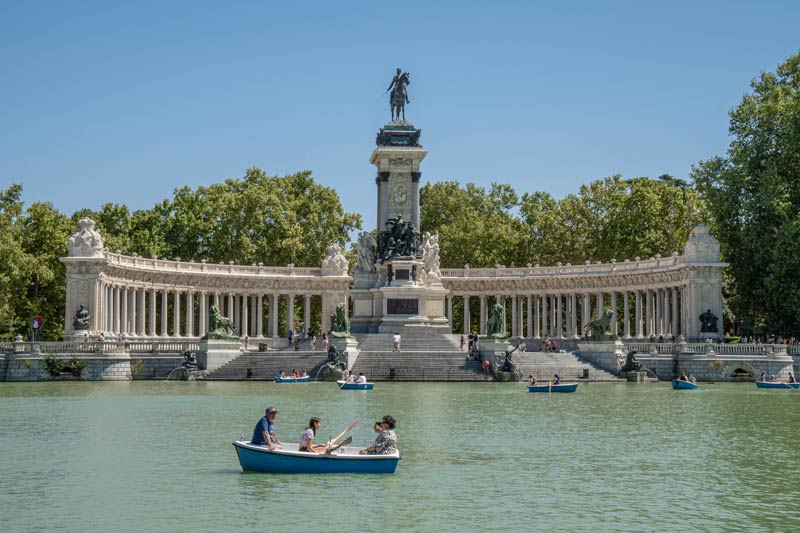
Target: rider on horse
[399,83]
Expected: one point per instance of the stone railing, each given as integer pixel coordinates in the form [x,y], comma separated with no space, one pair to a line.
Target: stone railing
[185,267]
[645,265]
[79,347]
[700,348]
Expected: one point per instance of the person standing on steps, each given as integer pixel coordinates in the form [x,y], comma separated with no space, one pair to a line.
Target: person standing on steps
[396,341]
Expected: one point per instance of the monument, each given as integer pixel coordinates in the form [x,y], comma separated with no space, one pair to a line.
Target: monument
[397,282]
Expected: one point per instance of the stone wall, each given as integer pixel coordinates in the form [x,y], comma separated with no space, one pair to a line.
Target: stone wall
[109,367]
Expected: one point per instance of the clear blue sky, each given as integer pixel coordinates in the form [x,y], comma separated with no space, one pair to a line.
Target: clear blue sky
[122,102]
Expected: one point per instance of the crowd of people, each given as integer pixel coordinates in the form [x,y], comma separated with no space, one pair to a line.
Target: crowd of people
[264,435]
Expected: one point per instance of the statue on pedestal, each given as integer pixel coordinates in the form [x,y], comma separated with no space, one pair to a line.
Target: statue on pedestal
[399,95]
[82,317]
[708,323]
[218,325]
[367,249]
[400,238]
[339,324]
[495,326]
[600,329]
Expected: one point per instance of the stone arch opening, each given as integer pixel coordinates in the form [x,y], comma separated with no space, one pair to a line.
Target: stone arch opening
[743,372]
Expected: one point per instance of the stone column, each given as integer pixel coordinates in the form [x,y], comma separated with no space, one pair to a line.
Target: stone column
[140,314]
[529,317]
[124,307]
[466,315]
[626,328]
[559,321]
[189,313]
[599,304]
[229,309]
[675,324]
[615,322]
[151,322]
[659,329]
[290,312]
[514,329]
[545,328]
[482,329]
[638,296]
[216,301]
[203,314]
[260,316]
[132,312]
[307,312]
[665,312]
[164,312]
[537,332]
[176,314]
[237,316]
[244,321]
[573,315]
[586,313]
[273,316]
[415,200]
[117,311]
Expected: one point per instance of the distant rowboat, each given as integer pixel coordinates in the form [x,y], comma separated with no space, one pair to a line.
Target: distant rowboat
[686,385]
[776,385]
[562,387]
[289,460]
[343,385]
[291,379]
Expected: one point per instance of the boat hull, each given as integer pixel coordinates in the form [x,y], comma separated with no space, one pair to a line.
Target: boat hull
[563,387]
[776,385]
[345,460]
[683,385]
[304,379]
[354,386]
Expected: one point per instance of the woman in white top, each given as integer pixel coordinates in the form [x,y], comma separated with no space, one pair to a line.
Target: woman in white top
[307,438]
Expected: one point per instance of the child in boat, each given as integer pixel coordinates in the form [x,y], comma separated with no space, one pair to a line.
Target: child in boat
[307,438]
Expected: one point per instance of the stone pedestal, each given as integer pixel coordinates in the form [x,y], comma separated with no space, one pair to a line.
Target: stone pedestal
[636,377]
[216,352]
[348,347]
[606,355]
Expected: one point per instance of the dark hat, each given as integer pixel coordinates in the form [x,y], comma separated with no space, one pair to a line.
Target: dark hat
[272,409]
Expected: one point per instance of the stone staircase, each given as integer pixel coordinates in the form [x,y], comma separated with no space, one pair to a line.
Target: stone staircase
[424,356]
[567,365]
[267,365]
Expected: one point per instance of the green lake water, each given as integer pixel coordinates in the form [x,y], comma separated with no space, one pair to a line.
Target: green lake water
[157,456]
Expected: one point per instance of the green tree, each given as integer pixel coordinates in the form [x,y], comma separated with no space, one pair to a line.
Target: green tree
[753,194]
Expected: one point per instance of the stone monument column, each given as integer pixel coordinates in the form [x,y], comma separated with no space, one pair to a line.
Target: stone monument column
[703,285]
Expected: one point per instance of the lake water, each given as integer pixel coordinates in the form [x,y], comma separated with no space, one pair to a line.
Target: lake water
[157,456]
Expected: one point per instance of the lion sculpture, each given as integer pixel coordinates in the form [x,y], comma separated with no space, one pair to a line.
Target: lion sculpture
[339,322]
[599,329]
[218,324]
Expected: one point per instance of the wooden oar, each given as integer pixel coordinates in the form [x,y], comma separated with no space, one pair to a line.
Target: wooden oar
[340,435]
[345,442]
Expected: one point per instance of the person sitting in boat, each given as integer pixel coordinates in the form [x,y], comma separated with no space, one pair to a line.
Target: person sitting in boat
[692,379]
[386,443]
[296,373]
[531,380]
[556,379]
[307,438]
[303,374]
[683,377]
[377,427]
[362,379]
[281,374]
[791,378]
[762,376]
[264,432]
[772,377]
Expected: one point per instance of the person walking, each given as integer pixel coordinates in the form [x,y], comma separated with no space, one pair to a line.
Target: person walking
[461,344]
[396,342]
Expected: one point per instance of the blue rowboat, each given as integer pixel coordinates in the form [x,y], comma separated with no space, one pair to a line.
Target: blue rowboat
[289,460]
[776,385]
[354,386]
[563,387]
[688,385]
[291,379]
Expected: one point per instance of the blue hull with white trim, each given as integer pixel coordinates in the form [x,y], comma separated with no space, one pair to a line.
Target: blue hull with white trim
[354,386]
[289,460]
[777,385]
[563,387]
[683,385]
[292,379]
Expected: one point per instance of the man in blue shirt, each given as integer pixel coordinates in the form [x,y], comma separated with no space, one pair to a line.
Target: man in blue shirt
[264,432]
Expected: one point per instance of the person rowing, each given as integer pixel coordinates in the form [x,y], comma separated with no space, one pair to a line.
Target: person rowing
[556,380]
[307,438]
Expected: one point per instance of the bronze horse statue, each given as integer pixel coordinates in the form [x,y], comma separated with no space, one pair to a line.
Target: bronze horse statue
[399,96]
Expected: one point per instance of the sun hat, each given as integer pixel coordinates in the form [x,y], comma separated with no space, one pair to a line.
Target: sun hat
[272,409]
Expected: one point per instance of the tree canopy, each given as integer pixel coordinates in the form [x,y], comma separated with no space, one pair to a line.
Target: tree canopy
[753,194]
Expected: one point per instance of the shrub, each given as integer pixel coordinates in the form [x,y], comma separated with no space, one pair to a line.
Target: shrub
[53,366]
